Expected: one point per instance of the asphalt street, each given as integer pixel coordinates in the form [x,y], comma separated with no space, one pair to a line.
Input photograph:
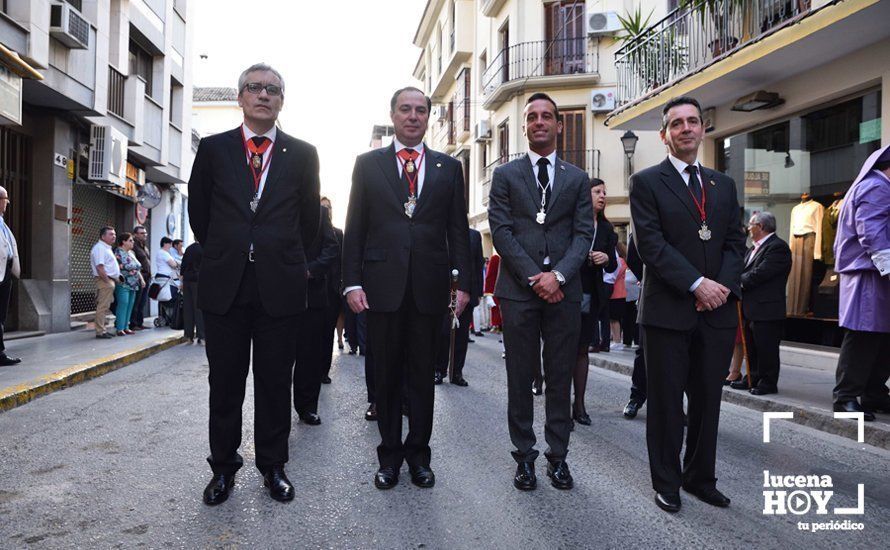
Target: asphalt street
[119,462]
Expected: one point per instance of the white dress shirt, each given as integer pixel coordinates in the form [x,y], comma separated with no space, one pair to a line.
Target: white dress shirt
[681,168]
[551,175]
[757,244]
[102,254]
[271,134]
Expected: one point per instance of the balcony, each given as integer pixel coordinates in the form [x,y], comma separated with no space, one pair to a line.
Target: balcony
[455,50]
[174,158]
[462,119]
[720,50]
[585,159]
[116,90]
[566,63]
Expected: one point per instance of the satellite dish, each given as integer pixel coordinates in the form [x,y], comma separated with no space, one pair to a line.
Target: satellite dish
[149,195]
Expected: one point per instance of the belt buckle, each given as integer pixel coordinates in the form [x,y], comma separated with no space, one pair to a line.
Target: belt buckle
[250,257]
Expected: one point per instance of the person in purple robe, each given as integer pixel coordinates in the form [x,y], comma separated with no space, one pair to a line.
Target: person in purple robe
[862,250]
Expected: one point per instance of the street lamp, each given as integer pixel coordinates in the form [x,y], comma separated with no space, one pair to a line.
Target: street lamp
[629,142]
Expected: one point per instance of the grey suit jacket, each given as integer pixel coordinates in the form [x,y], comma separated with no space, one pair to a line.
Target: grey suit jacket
[523,243]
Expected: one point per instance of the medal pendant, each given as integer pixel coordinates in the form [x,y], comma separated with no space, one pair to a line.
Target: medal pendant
[254,203]
[704,233]
[409,206]
[541,217]
[256,161]
[409,166]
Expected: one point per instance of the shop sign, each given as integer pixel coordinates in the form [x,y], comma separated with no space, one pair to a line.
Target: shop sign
[870,130]
[756,183]
[60,160]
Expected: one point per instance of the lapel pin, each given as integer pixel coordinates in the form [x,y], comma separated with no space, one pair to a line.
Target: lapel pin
[561,167]
[712,182]
[285,151]
[438,165]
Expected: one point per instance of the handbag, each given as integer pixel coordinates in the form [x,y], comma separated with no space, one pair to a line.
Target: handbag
[160,291]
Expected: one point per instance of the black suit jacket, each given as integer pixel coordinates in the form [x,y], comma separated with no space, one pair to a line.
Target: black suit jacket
[764,280]
[665,227]
[477,261]
[335,279]
[322,255]
[604,241]
[286,220]
[634,262]
[383,247]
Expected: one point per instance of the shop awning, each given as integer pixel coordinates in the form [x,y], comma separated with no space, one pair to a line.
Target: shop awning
[17,65]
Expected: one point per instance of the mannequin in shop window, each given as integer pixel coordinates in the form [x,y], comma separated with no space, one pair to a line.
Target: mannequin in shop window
[825,303]
[806,247]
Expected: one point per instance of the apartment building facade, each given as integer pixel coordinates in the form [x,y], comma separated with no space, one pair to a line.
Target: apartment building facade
[481,60]
[794,95]
[104,138]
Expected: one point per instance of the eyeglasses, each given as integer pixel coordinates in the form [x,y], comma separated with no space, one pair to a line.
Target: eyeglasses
[256,88]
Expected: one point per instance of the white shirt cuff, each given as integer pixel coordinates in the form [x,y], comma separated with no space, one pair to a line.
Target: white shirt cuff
[695,284]
[881,259]
[349,289]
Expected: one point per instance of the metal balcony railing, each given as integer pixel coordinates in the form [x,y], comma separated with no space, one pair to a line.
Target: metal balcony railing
[116,82]
[693,37]
[462,115]
[544,58]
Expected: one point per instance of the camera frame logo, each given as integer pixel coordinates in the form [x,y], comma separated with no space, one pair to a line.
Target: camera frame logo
[803,494]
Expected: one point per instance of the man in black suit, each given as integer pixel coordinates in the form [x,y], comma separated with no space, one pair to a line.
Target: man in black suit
[312,337]
[767,265]
[638,376]
[686,226]
[462,332]
[335,299]
[542,225]
[253,205]
[406,228]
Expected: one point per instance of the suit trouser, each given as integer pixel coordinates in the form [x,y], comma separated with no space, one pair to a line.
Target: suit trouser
[638,376]
[403,347]
[691,361]
[461,341]
[331,314]
[309,366]
[191,315]
[763,338]
[104,295]
[526,323]
[5,293]
[138,315]
[229,339]
[863,366]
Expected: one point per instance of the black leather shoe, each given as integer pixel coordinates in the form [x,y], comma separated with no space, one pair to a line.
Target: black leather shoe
[853,406]
[6,361]
[371,413]
[632,408]
[310,418]
[525,479]
[727,381]
[422,476]
[559,475]
[217,491]
[669,502]
[879,406]
[280,487]
[710,496]
[386,478]
[460,382]
[437,378]
[740,384]
[583,419]
[326,380]
[761,390]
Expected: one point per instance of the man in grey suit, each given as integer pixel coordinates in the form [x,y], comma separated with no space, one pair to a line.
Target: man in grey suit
[542,226]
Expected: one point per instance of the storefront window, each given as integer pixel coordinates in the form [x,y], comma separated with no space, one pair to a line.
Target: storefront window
[799,170]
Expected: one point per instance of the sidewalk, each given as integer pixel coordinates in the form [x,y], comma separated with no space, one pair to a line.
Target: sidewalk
[56,361]
[803,390]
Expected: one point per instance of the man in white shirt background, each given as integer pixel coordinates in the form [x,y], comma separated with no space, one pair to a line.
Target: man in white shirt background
[106,271]
[9,268]
[166,264]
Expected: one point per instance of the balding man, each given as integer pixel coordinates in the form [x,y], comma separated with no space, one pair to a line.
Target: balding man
[9,268]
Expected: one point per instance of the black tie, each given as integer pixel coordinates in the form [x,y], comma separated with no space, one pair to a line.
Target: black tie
[694,183]
[543,178]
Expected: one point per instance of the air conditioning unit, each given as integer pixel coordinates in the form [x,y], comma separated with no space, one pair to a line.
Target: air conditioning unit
[482,132]
[602,23]
[108,155]
[602,100]
[68,27]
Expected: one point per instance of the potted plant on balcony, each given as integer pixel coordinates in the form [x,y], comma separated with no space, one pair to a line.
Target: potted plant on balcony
[658,54]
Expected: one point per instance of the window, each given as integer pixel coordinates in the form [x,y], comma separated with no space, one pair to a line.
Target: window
[565,29]
[453,23]
[78,4]
[141,64]
[570,143]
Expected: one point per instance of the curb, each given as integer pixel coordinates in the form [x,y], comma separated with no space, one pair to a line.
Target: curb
[812,417]
[20,394]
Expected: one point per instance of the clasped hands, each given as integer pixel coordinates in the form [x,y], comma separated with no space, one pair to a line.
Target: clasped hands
[709,295]
[546,286]
[597,258]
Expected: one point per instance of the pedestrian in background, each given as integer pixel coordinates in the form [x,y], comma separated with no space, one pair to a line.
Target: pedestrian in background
[333,317]
[862,252]
[619,296]
[9,268]
[129,283]
[193,319]
[140,249]
[177,251]
[638,376]
[629,330]
[166,267]
[106,271]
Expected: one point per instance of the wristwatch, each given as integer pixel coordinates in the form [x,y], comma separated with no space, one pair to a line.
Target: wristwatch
[559,277]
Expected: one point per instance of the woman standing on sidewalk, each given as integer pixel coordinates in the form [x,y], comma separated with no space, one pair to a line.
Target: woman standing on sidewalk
[130,284]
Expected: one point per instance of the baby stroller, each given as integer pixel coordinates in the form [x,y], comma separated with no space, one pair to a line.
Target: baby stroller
[169,301]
